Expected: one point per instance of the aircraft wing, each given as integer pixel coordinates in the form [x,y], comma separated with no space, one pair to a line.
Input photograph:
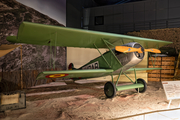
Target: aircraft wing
[40,34]
[74,73]
[143,69]
[138,69]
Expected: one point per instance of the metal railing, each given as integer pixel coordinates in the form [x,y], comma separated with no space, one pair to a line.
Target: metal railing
[137,26]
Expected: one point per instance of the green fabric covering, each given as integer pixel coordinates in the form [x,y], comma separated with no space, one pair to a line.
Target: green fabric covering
[40,34]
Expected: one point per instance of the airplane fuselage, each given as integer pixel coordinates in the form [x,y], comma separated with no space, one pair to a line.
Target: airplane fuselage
[123,62]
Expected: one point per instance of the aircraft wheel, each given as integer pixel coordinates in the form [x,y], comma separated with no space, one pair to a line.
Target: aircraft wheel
[143,89]
[109,90]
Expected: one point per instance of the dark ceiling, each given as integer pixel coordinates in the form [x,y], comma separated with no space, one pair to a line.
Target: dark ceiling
[111,2]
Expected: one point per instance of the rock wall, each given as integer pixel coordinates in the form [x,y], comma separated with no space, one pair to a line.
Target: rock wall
[34,57]
[168,34]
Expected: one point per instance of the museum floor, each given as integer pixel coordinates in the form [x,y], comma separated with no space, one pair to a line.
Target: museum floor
[85,100]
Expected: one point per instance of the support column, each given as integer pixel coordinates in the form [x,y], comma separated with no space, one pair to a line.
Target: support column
[21,70]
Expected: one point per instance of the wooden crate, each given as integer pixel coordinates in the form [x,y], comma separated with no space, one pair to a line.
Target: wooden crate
[154,75]
[167,71]
[12,100]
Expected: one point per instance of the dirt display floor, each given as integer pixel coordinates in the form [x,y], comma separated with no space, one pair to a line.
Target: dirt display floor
[87,102]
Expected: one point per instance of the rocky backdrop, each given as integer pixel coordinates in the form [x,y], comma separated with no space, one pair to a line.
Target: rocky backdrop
[35,58]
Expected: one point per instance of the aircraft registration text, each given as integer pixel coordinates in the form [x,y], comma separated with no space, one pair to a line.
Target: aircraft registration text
[94,65]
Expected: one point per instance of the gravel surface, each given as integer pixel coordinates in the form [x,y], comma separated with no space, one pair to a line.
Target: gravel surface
[87,102]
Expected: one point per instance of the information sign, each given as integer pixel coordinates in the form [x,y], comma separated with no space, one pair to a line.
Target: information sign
[172,89]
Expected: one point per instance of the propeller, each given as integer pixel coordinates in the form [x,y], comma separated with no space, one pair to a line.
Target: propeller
[153,50]
[126,49]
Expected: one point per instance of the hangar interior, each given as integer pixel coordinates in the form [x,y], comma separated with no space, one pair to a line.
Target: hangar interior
[149,19]
[85,99]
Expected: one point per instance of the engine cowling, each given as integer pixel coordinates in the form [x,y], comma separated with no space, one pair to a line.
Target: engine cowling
[131,59]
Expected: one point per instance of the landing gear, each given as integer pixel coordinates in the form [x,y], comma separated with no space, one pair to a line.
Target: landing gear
[142,89]
[109,90]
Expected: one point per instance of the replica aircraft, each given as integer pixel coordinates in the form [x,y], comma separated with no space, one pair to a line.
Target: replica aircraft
[124,53]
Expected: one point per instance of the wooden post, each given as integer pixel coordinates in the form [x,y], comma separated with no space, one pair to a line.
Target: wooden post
[21,70]
[177,65]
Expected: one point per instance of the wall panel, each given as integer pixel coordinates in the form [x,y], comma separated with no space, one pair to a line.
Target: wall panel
[151,12]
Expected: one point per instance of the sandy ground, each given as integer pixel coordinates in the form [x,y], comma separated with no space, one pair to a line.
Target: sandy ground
[88,102]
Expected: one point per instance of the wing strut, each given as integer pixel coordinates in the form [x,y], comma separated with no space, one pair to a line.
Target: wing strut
[153,61]
[119,76]
[102,56]
[106,43]
[53,37]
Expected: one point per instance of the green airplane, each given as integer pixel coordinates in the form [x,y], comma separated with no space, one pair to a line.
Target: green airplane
[124,53]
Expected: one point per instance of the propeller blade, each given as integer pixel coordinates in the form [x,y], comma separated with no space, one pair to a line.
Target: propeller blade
[126,49]
[153,50]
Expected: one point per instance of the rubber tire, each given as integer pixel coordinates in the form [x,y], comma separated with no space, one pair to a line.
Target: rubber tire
[142,81]
[109,87]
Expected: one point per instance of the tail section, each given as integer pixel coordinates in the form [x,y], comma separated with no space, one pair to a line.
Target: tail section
[71,67]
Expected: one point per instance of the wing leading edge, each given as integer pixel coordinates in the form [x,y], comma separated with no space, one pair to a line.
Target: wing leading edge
[74,73]
[84,73]
[143,69]
[138,69]
[40,34]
